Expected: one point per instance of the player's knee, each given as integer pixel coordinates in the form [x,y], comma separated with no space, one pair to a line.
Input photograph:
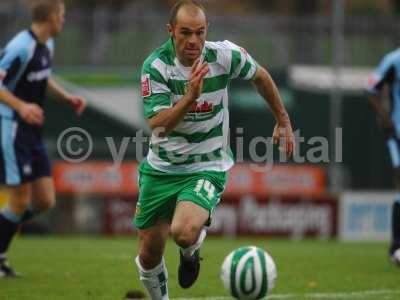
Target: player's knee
[150,258]
[45,202]
[185,236]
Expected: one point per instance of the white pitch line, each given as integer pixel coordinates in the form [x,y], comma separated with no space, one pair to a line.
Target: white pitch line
[349,295]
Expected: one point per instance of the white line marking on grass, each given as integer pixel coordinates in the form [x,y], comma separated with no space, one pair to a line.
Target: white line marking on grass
[349,295]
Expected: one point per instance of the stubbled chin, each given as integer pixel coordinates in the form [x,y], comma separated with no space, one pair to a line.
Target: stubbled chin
[192,57]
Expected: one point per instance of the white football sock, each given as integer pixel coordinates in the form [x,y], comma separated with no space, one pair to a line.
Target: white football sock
[155,280]
[188,252]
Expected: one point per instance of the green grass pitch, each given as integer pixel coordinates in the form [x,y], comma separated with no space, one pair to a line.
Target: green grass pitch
[103,268]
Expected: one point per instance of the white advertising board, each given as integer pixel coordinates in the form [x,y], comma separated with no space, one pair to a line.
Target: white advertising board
[365,216]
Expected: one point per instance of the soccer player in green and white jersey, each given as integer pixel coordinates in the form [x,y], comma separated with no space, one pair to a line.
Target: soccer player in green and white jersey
[185,97]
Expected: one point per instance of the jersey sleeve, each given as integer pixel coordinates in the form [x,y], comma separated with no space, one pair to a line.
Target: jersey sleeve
[242,65]
[12,61]
[50,46]
[155,92]
[384,74]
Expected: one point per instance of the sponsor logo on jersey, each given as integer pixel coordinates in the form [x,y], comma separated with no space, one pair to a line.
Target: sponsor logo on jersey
[199,110]
[146,85]
[44,61]
[39,76]
[202,107]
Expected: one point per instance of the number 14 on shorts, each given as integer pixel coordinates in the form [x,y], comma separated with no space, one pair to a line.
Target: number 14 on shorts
[207,186]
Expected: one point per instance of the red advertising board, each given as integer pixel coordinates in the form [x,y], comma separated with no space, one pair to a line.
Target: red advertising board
[118,216]
[100,178]
[276,180]
[293,216]
[103,178]
[289,216]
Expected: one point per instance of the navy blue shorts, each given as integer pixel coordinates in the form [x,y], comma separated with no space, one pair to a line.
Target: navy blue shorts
[23,156]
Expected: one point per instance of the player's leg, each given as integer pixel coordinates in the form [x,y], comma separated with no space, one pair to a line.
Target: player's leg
[395,246]
[43,197]
[150,262]
[43,192]
[10,220]
[187,227]
[196,201]
[154,210]
[188,232]
[15,169]
[394,150]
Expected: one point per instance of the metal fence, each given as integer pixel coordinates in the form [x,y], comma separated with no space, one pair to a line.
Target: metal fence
[104,38]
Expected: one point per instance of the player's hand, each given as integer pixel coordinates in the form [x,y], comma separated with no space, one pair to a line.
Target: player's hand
[284,137]
[197,74]
[78,103]
[31,113]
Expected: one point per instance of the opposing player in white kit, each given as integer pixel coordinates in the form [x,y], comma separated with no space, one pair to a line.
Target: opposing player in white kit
[185,98]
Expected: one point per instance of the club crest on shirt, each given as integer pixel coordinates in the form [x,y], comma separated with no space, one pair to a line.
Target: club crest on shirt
[186,87]
[146,85]
[137,210]
[27,169]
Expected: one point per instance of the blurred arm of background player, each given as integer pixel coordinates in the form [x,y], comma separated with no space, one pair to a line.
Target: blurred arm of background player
[31,113]
[377,104]
[78,103]
[165,122]
[283,129]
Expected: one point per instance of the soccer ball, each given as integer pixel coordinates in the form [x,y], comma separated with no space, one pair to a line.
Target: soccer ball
[248,273]
[395,258]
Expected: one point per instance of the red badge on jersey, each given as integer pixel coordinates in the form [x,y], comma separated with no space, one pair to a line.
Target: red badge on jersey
[146,85]
[244,51]
[372,80]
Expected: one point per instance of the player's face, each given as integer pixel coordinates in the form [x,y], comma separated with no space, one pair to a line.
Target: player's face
[189,34]
[57,20]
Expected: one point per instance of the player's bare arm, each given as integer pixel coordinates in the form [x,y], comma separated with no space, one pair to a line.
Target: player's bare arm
[165,122]
[268,90]
[78,103]
[31,113]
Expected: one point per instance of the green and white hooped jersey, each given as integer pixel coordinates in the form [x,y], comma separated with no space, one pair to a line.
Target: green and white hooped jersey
[200,141]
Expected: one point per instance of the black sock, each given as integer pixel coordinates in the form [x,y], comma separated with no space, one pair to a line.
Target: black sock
[8,228]
[396,225]
[29,214]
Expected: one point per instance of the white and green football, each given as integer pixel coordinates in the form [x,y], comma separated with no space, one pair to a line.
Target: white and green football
[248,273]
